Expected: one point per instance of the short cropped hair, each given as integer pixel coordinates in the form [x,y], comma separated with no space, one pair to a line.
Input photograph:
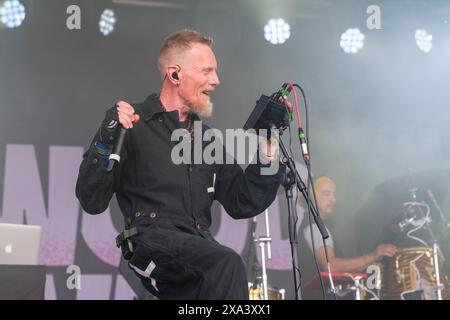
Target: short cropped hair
[180,40]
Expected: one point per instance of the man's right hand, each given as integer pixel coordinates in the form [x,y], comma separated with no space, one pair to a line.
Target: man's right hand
[127,115]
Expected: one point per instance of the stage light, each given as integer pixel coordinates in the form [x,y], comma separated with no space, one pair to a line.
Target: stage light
[107,22]
[424,40]
[277,31]
[12,13]
[352,40]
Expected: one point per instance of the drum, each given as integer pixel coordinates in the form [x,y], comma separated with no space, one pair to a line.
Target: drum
[256,293]
[410,275]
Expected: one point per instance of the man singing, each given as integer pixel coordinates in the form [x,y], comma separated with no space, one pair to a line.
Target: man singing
[167,206]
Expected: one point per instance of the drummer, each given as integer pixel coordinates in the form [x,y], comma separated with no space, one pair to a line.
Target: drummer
[325,191]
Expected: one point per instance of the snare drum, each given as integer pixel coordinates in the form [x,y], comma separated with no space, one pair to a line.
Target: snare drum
[410,274]
[257,293]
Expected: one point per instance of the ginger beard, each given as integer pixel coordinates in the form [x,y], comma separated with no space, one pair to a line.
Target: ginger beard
[200,79]
[203,110]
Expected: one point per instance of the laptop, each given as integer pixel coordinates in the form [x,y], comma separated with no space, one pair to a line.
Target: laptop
[19,244]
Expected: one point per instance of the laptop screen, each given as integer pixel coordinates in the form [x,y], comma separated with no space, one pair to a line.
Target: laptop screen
[19,244]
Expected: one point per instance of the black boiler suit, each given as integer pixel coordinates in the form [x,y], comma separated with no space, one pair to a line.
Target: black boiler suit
[174,253]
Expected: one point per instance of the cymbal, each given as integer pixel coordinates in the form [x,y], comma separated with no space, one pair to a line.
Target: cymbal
[436,179]
[383,207]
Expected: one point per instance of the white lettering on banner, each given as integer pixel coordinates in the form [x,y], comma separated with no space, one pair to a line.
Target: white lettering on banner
[103,243]
[22,189]
[95,287]
[23,197]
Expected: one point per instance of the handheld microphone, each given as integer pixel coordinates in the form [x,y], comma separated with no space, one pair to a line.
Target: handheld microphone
[115,155]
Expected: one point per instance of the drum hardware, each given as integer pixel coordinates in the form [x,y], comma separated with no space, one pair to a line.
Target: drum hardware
[436,266]
[425,222]
[358,286]
[263,241]
[411,274]
[429,274]
[261,290]
[256,292]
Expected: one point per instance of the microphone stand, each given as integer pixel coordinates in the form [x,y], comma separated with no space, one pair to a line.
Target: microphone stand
[288,184]
[293,178]
[289,162]
[270,113]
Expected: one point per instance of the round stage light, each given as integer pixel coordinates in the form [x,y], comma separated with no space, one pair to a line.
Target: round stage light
[277,31]
[107,22]
[12,13]
[352,40]
[424,40]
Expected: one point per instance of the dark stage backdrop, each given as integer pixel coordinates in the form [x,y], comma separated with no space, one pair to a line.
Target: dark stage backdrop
[374,116]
